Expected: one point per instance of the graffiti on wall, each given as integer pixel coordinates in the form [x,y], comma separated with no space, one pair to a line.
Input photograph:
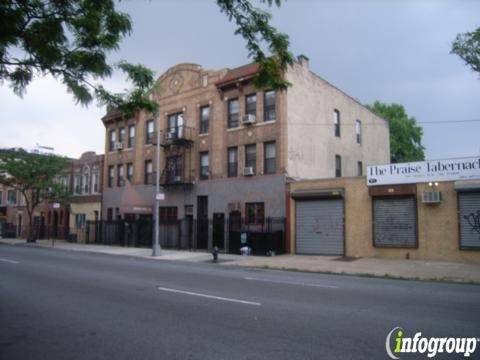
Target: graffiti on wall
[473,220]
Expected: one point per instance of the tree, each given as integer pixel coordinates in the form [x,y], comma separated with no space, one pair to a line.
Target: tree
[405,134]
[35,176]
[70,40]
[467,46]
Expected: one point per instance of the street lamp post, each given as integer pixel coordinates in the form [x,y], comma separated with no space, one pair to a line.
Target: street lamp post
[156,248]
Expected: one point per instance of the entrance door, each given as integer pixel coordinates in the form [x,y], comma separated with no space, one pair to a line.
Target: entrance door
[219,230]
[202,222]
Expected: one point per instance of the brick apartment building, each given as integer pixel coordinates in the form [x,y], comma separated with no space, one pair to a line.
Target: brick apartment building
[227,148]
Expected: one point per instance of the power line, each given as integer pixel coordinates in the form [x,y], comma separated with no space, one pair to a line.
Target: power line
[435,122]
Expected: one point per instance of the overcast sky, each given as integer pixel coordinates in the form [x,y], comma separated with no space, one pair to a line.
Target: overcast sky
[392,51]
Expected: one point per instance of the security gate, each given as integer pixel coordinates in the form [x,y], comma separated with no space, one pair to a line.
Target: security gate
[469,219]
[395,222]
[319,227]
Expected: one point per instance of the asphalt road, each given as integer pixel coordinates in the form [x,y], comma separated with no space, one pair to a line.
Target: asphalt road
[68,305]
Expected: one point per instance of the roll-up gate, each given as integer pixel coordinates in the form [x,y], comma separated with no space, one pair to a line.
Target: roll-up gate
[319,226]
[469,219]
[395,221]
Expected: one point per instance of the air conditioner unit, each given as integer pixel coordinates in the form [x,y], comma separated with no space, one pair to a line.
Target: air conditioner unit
[118,146]
[171,136]
[248,119]
[234,206]
[177,178]
[248,171]
[431,197]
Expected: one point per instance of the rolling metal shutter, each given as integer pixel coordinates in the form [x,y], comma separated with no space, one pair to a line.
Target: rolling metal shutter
[394,220]
[319,227]
[469,219]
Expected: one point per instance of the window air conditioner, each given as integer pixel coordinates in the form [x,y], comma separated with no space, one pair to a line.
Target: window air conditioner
[248,171]
[118,146]
[248,119]
[177,178]
[431,197]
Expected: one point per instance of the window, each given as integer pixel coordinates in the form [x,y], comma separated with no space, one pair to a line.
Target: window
[1,197]
[232,162]
[251,104]
[131,136]
[254,213]
[269,106]
[121,135]
[358,131]
[12,197]
[204,119]
[148,178]
[175,125]
[130,172]
[233,111]
[109,214]
[338,166]
[150,130]
[167,214]
[113,139]
[270,158]
[86,180]
[251,156]
[204,165]
[336,122]
[77,184]
[80,221]
[111,176]
[120,175]
[359,168]
[95,178]
[174,169]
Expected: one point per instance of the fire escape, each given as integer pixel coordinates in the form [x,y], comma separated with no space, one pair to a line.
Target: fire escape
[177,142]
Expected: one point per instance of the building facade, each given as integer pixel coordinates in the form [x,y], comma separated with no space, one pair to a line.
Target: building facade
[419,221]
[86,184]
[228,148]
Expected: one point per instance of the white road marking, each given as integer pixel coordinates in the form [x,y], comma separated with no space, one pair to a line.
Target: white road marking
[9,261]
[292,283]
[210,296]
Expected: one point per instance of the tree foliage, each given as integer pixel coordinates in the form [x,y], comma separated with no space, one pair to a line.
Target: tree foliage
[70,40]
[253,24]
[405,134]
[467,46]
[35,176]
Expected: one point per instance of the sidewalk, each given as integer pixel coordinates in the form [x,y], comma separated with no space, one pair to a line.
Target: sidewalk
[375,267]
[180,255]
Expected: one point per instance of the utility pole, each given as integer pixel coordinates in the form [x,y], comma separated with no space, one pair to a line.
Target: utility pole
[156,249]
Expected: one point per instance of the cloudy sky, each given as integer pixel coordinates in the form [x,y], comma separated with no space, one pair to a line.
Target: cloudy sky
[392,51]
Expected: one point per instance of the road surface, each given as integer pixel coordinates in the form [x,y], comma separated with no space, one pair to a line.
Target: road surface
[69,305]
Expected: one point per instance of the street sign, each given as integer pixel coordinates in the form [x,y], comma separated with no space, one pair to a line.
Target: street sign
[56,205]
[160,196]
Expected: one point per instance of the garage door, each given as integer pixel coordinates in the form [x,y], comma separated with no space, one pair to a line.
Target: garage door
[319,227]
[469,219]
[395,220]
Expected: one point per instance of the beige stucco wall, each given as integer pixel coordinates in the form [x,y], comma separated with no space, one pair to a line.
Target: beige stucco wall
[438,234]
[83,208]
[312,145]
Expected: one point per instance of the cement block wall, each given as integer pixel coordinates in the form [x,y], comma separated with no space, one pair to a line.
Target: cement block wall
[438,232]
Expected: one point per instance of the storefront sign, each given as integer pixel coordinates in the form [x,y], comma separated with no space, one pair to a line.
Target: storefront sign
[424,171]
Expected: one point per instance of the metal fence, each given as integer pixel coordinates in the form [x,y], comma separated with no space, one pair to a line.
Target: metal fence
[228,234]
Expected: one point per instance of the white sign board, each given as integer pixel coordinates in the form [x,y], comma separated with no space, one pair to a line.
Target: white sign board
[56,205]
[424,171]
[160,196]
